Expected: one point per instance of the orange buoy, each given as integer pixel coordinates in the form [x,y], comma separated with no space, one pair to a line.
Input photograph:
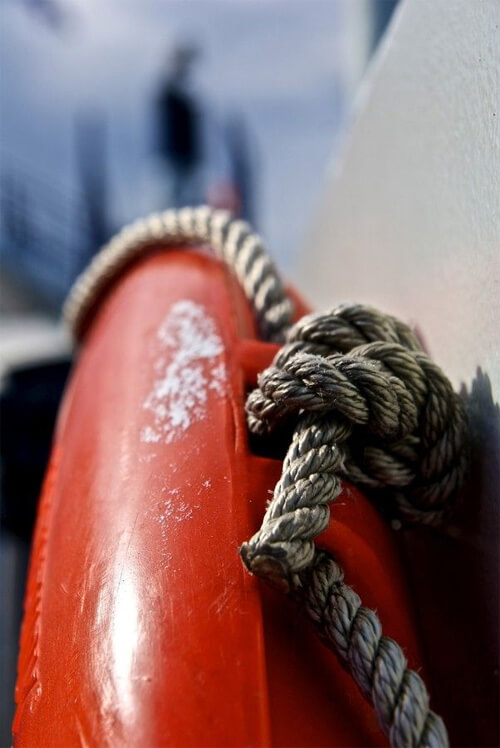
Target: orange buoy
[142,627]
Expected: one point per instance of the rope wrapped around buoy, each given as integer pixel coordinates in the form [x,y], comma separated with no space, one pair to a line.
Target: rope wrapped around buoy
[365,403]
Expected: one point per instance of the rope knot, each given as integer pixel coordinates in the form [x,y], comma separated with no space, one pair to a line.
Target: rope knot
[369,405]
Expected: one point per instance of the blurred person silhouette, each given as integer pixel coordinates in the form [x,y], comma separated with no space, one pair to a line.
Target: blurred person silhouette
[179,129]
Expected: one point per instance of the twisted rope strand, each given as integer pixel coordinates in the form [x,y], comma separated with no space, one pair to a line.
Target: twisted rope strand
[376,662]
[232,240]
[368,405]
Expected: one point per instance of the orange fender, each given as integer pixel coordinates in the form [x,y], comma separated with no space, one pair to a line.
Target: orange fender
[142,627]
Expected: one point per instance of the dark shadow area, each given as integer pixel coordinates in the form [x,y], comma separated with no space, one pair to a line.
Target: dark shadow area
[29,400]
[454,578]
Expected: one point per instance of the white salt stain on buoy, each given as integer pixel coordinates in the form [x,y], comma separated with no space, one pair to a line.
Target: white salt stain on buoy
[177,511]
[190,369]
[174,506]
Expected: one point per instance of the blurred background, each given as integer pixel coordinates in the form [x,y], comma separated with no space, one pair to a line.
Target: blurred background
[112,110]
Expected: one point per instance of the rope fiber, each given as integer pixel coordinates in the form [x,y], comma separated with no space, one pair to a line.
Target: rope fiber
[366,404]
[231,240]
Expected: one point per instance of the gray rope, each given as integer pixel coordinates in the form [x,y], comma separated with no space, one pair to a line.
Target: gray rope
[369,405]
[366,403]
[232,240]
[376,662]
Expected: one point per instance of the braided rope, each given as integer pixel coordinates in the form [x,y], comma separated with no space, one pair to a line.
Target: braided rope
[232,240]
[367,404]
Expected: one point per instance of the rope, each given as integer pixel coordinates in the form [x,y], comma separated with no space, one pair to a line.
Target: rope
[232,240]
[376,662]
[366,403]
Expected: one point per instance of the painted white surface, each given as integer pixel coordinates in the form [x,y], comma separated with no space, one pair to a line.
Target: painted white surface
[411,224]
[411,221]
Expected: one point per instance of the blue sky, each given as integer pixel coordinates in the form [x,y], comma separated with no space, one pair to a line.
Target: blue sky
[289,66]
